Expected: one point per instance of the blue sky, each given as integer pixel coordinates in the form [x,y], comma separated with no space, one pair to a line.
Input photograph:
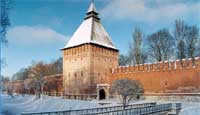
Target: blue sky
[41,27]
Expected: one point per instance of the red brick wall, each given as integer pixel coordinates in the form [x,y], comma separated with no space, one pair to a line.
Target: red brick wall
[54,84]
[161,77]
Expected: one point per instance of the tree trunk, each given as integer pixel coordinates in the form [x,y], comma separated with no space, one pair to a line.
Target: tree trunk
[42,88]
[124,102]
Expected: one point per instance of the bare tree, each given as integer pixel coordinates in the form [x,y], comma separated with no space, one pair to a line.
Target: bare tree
[124,60]
[198,47]
[180,36]
[52,86]
[4,82]
[161,45]
[5,7]
[10,90]
[187,38]
[137,55]
[22,74]
[24,88]
[191,40]
[52,68]
[38,72]
[127,89]
[27,86]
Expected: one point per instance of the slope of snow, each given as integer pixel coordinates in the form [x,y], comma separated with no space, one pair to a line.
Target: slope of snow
[90,31]
[20,104]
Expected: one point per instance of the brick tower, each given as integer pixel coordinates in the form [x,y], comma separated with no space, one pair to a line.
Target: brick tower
[88,56]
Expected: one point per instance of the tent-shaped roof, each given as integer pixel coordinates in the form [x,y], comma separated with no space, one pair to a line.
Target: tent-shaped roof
[91,31]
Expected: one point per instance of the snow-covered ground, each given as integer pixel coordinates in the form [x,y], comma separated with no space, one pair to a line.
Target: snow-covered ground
[18,104]
[192,108]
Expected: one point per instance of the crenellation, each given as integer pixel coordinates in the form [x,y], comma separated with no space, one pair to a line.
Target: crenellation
[166,65]
[132,68]
[146,67]
[150,67]
[120,69]
[136,68]
[154,67]
[173,65]
[129,69]
[161,66]
[178,64]
[184,63]
[157,66]
[190,65]
[197,61]
[141,67]
[124,69]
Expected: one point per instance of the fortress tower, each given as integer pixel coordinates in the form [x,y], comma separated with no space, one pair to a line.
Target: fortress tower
[88,56]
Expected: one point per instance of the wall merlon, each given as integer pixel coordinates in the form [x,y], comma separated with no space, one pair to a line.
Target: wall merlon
[158,66]
[184,63]
[141,67]
[146,67]
[172,65]
[197,61]
[154,67]
[177,64]
[166,65]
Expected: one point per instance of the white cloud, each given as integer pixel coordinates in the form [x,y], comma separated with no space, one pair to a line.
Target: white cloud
[34,35]
[150,10]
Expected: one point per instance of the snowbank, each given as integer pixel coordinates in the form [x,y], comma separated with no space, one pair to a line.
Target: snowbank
[20,104]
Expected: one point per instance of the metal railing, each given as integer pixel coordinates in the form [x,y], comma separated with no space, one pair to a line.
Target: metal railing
[177,106]
[135,109]
[92,110]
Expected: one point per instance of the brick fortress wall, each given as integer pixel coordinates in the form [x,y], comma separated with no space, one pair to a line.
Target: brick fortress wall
[163,77]
[53,84]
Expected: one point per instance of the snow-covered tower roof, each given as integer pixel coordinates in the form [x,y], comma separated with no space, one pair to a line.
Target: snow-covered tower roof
[91,31]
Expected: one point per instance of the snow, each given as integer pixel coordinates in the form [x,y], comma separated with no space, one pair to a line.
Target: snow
[192,108]
[27,103]
[92,7]
[190,104]
[90,31]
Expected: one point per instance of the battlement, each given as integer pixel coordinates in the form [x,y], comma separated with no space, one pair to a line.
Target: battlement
[159,66]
